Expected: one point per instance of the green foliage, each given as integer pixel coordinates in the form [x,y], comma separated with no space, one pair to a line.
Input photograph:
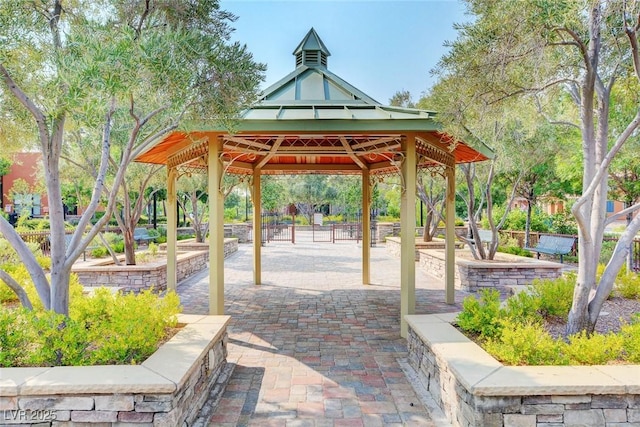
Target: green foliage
[563,223]
[526,344]
[99,252]
[153,249]
[631,336]
[482,316]
[595,349]
[515,334]
[27,224]
[523,307]
[515,250]
[516,220]
[607,251]
[555,295]
[106,328]
[627,285]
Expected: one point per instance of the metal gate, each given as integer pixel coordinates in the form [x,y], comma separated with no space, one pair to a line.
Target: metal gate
[276,229]
[332,233]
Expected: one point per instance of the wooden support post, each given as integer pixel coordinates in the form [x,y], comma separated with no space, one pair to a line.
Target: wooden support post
[257,227]
[450,235]
[408,233]
[366,228]
[172,232]
[216,229]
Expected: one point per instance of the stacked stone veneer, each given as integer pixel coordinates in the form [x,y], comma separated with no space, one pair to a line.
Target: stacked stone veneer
[168,389]
[394,247]
[474,389]
[474,275]
[147,275]
[239,231]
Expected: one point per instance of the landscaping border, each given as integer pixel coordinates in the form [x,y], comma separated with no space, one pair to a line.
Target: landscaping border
[474,389]
[192,259]
[167,389]
[474,275]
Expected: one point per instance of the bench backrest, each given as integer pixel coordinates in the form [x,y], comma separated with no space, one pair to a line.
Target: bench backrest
[485,235]
[141,232]
[559,244]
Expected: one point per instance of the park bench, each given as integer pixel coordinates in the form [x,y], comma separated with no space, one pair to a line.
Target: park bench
[485,237]
[553,245]
[141,234]
[67,241]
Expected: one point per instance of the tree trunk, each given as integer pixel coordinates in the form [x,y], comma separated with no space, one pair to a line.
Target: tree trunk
[129,247]
[527,226]
[426,229]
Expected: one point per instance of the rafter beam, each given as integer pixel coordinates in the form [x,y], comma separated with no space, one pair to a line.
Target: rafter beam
[384,140]
[355,158]
[247,142]
[187,154]
[271,153]
[311,167]
[437,154]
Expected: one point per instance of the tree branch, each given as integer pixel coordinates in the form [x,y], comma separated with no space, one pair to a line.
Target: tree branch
[15,287]
[622,213]
[35,271]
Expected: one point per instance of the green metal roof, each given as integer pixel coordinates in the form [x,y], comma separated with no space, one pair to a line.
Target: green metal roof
[312,92]
[309,107]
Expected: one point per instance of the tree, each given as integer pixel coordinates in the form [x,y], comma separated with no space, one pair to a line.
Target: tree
[431,192]
[402,98]
[309,192]
[110,78]
[546,52]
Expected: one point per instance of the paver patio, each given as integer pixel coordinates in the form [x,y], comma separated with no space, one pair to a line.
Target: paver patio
[313,346]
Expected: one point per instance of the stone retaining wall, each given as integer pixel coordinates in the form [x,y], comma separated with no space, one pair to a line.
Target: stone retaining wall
[153,274]
[394,247]
[474,389]
[167,389]
[474,275]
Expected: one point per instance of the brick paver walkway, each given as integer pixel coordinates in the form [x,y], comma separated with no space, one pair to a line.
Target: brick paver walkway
[312,346]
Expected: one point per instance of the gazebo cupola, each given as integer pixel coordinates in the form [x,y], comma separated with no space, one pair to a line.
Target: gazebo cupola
[311,51]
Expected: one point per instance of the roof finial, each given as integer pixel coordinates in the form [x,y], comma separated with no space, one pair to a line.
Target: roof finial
[311,51]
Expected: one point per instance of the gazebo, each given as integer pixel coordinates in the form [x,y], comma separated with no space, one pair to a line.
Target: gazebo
[312,121]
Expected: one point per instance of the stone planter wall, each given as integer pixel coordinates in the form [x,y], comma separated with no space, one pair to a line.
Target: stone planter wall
[474,275]
[144,276]
[168,389]
[474,389]
[394,247]
[239,231]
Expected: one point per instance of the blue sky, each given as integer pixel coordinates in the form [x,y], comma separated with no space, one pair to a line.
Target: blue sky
[379,46]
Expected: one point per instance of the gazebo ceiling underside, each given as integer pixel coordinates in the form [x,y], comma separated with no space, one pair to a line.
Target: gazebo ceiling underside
[302,152]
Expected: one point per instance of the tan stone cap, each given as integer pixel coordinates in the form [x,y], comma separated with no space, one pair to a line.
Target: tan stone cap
[483,375]
[163,372]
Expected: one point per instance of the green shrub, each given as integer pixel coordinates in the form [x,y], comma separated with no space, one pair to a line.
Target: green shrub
[153,233]
[105,328]
[526,344]
[555,295]
[118,247]
[628,285]
[523,307]
[15,337]
[607,251]
[482,316]
[595,349]
[99,252]
[631,340]
[563,223]
[515,250]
